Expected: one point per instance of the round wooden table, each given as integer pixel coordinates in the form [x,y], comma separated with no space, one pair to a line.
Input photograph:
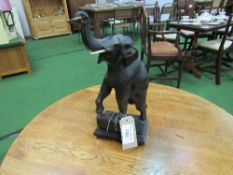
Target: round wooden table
[186,135]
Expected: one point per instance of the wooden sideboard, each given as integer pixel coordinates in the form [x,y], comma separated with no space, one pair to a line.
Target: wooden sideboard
[13,58]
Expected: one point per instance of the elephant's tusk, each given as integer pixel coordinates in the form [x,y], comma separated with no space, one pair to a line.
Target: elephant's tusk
[74,19]
[98,52]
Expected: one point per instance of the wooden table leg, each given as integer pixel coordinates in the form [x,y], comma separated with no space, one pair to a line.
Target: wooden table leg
[190,64]
[97,24]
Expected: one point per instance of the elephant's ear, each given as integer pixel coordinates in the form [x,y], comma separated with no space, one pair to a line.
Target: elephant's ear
[130,56]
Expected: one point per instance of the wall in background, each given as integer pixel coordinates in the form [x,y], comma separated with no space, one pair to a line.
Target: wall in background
[19,5]
[100,1]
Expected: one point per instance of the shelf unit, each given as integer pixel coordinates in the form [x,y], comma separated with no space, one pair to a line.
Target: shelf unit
[47,17]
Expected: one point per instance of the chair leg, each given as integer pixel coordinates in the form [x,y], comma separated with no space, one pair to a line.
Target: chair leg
[166,67]
[136,29]
[113,29]
[191,43]
[142,54]
[133,34]
[103,30]
[181,63]
[218,69]
[148,64]
[185,43]
[228,55]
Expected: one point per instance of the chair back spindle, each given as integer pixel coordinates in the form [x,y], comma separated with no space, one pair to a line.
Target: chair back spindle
[227,33]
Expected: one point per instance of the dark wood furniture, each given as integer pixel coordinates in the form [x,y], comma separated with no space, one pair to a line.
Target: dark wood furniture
[185,7]
[186,135]
[213,6]
[160,53]
[168,9]
[219,48]
[73,5]
[197,29]
[203,5]
[157,23]
[154,13]
[98,14]
[127,19]
[13,58]
[229,7]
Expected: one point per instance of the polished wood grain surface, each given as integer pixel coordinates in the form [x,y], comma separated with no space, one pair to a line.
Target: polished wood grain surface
[187,135]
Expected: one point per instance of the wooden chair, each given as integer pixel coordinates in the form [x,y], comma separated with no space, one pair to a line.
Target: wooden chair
[146,11]
[201,6]
[154,12]
[224,4]
[186,8]
[217,6]
[219,48]
[228,5]
[156,24]
[168,10]
[160,51]
[220,32]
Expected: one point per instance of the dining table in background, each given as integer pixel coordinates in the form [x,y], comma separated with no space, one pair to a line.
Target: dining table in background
[197,28]
[99,13]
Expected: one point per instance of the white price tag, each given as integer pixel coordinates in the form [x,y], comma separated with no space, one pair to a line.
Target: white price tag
[128,133]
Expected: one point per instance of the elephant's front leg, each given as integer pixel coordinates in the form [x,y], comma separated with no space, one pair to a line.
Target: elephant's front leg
[122,97]
[105,90]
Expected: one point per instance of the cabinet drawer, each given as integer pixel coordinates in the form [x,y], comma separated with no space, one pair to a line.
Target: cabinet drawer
[43,27]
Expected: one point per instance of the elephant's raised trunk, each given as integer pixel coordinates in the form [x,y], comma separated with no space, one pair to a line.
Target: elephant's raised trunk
[114,49]
[89,40]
